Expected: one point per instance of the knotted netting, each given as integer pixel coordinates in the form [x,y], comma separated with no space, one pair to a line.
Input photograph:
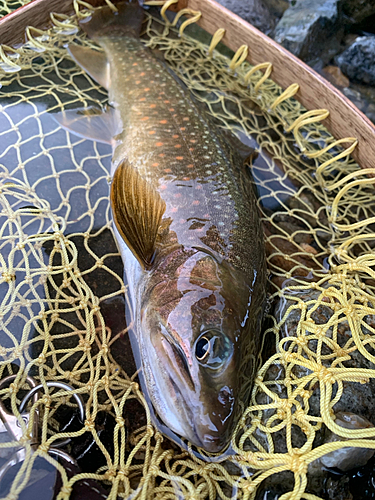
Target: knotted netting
[8,6]
[62,290]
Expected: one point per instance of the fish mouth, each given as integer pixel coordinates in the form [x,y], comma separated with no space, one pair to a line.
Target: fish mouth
[174,356]
[210,443]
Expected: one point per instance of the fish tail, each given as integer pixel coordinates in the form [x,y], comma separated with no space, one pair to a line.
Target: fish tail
[126,21]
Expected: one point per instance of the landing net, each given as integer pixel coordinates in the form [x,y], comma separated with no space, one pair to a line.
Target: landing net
[61,274]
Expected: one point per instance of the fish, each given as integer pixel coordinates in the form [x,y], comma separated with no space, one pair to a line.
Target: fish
[188,229]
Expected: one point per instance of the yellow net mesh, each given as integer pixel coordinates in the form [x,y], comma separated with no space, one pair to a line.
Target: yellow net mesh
[8,6]
[61,269]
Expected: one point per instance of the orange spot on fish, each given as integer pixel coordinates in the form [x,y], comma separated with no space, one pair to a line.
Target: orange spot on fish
[155,164]
[152,132]
[142,74]
[159,144]
[138,82]
[144,118]
[176,136]
[179,157]
[152,105]
[135,64]
[142,99]
[178,195]
[162,155]
[193,141]
[177,145]
[190,166]
[172,109]
[186,119]
[174,209]
[166,102]
[198,187]
[196,202]
[146,90]
[191,149]
[163,121]
[167,170]
[186,178]
[163,186]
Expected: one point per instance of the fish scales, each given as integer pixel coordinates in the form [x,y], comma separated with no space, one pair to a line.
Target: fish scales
[176,150]
[187,225]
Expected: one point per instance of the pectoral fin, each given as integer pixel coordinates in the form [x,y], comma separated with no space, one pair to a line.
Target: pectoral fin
[137,211]
[90,123]
[95,63]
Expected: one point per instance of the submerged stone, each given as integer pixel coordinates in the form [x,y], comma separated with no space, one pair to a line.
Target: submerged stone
[347,458]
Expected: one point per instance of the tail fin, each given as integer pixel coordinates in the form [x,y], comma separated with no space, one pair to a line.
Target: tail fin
[126,21]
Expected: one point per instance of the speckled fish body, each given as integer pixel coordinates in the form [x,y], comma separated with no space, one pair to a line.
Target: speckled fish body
[188,229]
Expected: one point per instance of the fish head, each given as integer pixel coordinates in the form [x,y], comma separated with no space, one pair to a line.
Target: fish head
[194,330]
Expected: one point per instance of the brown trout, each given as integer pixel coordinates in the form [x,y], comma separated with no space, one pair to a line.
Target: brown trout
[187,226]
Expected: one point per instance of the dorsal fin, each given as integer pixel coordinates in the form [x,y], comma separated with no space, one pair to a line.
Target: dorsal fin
[137,211]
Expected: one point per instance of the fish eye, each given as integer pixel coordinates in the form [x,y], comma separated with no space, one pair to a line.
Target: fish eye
[213,349]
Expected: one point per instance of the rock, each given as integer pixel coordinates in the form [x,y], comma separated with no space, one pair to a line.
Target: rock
[277,7]
[358,61]
[336,76]
[348,40]
[337,488]
[363,96]
[370,112]
[311,29]
[255,12]
[356,98]
[347,458]
[357,10]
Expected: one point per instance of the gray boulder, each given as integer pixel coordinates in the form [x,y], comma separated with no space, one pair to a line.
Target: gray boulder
[255,12]
[357,62]
[311,29]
